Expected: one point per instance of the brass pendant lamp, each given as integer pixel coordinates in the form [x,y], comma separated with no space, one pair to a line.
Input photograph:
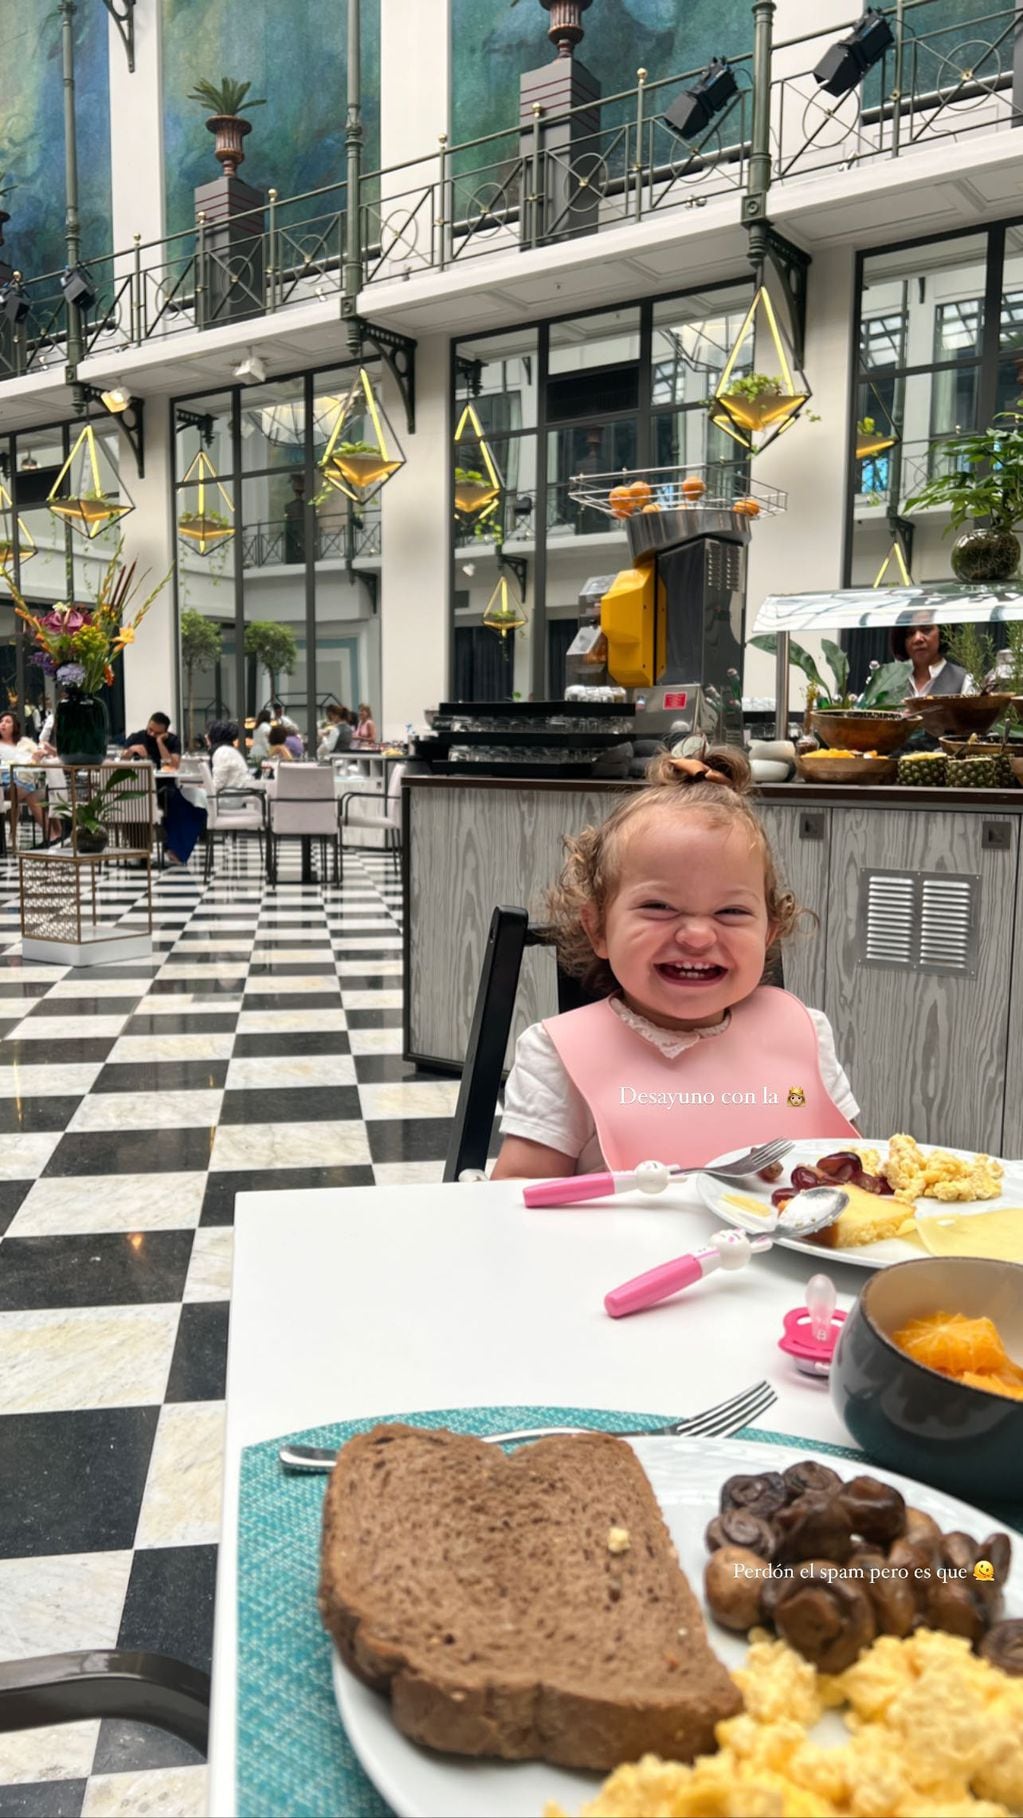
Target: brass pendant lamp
[363,451]
[13,529]
[478,481]
[88,492]
[210,524]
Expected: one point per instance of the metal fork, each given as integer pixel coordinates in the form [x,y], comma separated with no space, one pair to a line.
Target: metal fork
[725,1417]
[748,1164]
[650,1177]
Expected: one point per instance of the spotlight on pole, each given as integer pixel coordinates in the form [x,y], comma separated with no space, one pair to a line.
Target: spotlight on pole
[78,288]
[846,63]
[696,107]
[117,398]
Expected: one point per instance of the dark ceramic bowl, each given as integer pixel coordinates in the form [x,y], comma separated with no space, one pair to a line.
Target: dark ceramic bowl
[912,1418]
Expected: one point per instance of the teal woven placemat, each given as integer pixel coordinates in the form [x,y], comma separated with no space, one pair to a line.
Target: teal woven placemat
[293,1753]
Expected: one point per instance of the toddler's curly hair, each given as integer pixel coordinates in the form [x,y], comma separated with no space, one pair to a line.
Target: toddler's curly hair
[675,786]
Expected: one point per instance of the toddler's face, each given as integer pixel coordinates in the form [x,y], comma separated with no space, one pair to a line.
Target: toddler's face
[687,931]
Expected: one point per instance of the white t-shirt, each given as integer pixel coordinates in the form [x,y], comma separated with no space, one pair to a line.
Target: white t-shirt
[230,771]
[542,1105]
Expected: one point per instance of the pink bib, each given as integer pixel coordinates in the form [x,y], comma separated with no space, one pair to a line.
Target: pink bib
[759,1079]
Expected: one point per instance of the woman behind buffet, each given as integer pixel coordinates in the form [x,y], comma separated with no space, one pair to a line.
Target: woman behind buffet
[924,646]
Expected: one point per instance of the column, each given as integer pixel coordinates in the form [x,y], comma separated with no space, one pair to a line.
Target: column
[415,604]
[136,132]
[151,663]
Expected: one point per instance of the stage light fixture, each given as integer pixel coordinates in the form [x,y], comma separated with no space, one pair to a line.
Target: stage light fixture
[78,287]
[697,106]
[846,63]
[117,399]
[13,300]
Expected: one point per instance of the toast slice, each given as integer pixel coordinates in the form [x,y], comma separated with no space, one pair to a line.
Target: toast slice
[528,1605]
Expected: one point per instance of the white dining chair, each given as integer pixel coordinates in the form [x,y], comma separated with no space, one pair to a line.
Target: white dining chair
[303,806]
[233,813]
[376,813]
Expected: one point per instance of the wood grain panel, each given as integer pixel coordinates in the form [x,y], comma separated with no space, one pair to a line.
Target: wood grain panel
[924,1051]
[1012,973]
[469,851]
[802,867]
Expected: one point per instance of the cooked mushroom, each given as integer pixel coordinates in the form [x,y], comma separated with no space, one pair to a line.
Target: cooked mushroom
[763,1495]
[919,1559]
[815,1526]
[922,1529]
[826,1618]
[959,1551]
[875,1510]
[1003,1646]
[998,1549]
[739,1528]
[809,1475]
[950,1604]
[732,1582]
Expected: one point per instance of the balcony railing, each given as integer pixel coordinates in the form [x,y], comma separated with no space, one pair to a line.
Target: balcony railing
[561,178]
[282,542]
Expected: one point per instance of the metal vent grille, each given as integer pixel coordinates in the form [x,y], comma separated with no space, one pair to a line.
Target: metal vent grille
[918,922]
[723,564]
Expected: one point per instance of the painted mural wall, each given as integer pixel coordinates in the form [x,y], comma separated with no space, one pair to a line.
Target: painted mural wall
[492,42]
[293,53]
[32,132]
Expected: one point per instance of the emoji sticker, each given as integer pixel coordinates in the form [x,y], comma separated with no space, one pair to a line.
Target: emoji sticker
[984,1570]
[796,1096]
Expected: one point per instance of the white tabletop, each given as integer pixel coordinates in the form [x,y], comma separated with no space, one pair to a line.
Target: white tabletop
[381,1300]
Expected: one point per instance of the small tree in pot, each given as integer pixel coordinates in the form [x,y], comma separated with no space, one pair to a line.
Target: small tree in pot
[273,646]
[225,100]
[201,648]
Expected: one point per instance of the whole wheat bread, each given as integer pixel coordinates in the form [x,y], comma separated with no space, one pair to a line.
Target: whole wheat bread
[480,1591]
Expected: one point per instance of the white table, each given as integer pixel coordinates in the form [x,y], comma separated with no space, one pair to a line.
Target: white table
[381,1300]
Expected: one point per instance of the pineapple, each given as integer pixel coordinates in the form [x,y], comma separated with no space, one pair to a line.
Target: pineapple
[924,769]
[973,773]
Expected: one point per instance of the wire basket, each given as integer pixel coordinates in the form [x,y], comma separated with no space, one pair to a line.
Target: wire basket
[633,492]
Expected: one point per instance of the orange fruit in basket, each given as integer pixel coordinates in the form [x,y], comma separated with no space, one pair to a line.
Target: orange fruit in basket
[955,1345]
[647,508]
[640,493]
[747,508]
[692,487]
[620,501]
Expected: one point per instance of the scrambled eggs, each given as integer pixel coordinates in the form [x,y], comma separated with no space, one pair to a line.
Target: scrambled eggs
[939,1175]
[935,1733]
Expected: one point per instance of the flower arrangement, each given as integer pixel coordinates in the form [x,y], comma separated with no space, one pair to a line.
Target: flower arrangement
[78,645]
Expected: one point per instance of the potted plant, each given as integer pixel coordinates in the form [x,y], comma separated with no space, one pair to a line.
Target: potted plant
[986,483]
[875,720]
[204,531]
[473,490]
[78,646]
[89,820]
[201,648]
[756,401]
[870,440]
[225,100]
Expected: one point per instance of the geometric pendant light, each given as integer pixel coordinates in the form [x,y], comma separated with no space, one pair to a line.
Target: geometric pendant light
[208,521]
[505,611]
[26,542]
[875,434]
[478,481]
[756,409]
[88,492]
[363,452]
[896,559]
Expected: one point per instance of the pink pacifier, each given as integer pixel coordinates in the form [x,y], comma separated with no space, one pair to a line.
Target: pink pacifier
[811,1332]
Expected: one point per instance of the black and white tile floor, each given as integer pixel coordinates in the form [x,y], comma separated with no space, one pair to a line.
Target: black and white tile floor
[258,1048]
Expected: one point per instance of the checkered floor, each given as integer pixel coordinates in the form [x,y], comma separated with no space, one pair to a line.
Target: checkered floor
[258,1048]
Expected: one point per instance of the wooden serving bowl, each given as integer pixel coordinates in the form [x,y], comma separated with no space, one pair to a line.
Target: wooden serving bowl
[961,748]
[847,770]
[861,731]
[962,713]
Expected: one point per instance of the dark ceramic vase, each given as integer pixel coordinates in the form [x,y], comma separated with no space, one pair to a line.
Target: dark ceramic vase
[80,729]
[90,839]
[981,555]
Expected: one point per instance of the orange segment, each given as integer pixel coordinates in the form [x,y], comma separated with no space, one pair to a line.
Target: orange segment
[955,1345]
[994,1384]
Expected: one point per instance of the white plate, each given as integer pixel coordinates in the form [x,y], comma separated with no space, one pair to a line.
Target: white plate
[867,1256]
[686,1475]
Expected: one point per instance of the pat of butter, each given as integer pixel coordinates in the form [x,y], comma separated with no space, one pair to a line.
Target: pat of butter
[745,1204]
[997,1235]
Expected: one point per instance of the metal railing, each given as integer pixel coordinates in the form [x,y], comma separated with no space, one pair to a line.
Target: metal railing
[558,178]
[282,542]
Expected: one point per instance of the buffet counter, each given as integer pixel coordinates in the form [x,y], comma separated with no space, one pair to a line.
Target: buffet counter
[916,955]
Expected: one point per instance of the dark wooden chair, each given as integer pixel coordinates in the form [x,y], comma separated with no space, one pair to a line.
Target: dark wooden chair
[144,1688]
[509,936]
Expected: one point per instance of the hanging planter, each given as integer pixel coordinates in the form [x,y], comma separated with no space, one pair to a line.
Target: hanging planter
[756,408]
[363,452]
[205,529]
[478,482]
[15,536]
[225,100]
[82,495]
[505,611]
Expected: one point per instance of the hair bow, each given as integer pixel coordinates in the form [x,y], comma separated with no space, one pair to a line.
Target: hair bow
[697,771]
